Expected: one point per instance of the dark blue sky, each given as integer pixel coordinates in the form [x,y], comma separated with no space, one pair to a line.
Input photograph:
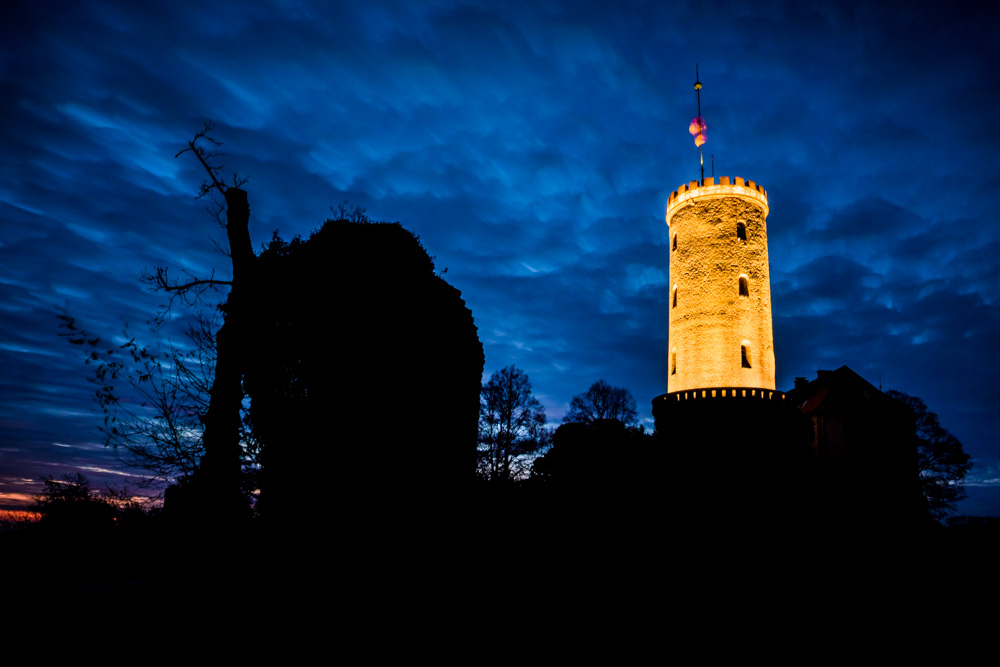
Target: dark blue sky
[532,147]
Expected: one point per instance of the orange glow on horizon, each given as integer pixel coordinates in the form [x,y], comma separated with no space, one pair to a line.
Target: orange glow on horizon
[17,516]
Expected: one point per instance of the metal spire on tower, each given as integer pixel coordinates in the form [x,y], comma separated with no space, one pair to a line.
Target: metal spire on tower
[701,124]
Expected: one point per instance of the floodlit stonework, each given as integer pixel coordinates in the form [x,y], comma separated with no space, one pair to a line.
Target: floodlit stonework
[720,287]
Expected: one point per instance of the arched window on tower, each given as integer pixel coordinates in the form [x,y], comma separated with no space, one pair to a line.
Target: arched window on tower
[673,362]
[741,232]
[744,286]
[745,353]
[675,296]
[675,240]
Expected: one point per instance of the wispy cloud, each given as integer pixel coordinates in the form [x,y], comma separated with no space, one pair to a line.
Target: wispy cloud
[532,148]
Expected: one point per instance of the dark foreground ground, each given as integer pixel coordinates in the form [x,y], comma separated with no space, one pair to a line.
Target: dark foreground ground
[474,565]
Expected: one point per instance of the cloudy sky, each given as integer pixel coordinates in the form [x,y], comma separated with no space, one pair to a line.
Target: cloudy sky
[532,147]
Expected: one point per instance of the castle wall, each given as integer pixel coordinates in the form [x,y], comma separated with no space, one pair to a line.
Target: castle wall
[720,301]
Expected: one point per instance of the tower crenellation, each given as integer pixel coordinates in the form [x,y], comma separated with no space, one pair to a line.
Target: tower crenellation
[737,184]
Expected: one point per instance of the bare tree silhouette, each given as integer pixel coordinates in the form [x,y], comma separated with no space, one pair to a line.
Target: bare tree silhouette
[602,401]
[511,426]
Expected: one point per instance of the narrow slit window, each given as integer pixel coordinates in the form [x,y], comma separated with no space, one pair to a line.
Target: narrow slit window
[675,297]
[744,286]
[673,362]
[675,241]
[741,232]
[745,353]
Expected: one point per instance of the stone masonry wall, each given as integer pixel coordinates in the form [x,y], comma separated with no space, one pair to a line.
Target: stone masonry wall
[711,322]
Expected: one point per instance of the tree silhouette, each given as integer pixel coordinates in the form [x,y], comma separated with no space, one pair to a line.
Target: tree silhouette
[604,482]
[70,503]
[186,421]
[941,462]
[152,399]
[603,453]
[220,468]
[602,401]
[511,426]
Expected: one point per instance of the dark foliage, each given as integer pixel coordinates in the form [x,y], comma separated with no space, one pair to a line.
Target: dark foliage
[602,481]
[601,453]
[72,504]
[942,464]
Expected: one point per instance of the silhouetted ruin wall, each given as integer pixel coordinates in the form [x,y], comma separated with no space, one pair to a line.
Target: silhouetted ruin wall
[365,385]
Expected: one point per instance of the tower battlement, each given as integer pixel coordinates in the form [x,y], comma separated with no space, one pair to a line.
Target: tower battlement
[730,393]
[726,187]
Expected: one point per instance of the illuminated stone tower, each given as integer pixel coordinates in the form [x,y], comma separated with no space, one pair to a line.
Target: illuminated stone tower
[720,288]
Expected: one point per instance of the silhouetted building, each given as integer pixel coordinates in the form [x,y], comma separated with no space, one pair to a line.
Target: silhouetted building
[864,445]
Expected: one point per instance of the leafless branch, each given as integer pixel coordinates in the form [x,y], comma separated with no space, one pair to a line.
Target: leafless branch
[206,160]
[161,281]
[191,291]
[217,210]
